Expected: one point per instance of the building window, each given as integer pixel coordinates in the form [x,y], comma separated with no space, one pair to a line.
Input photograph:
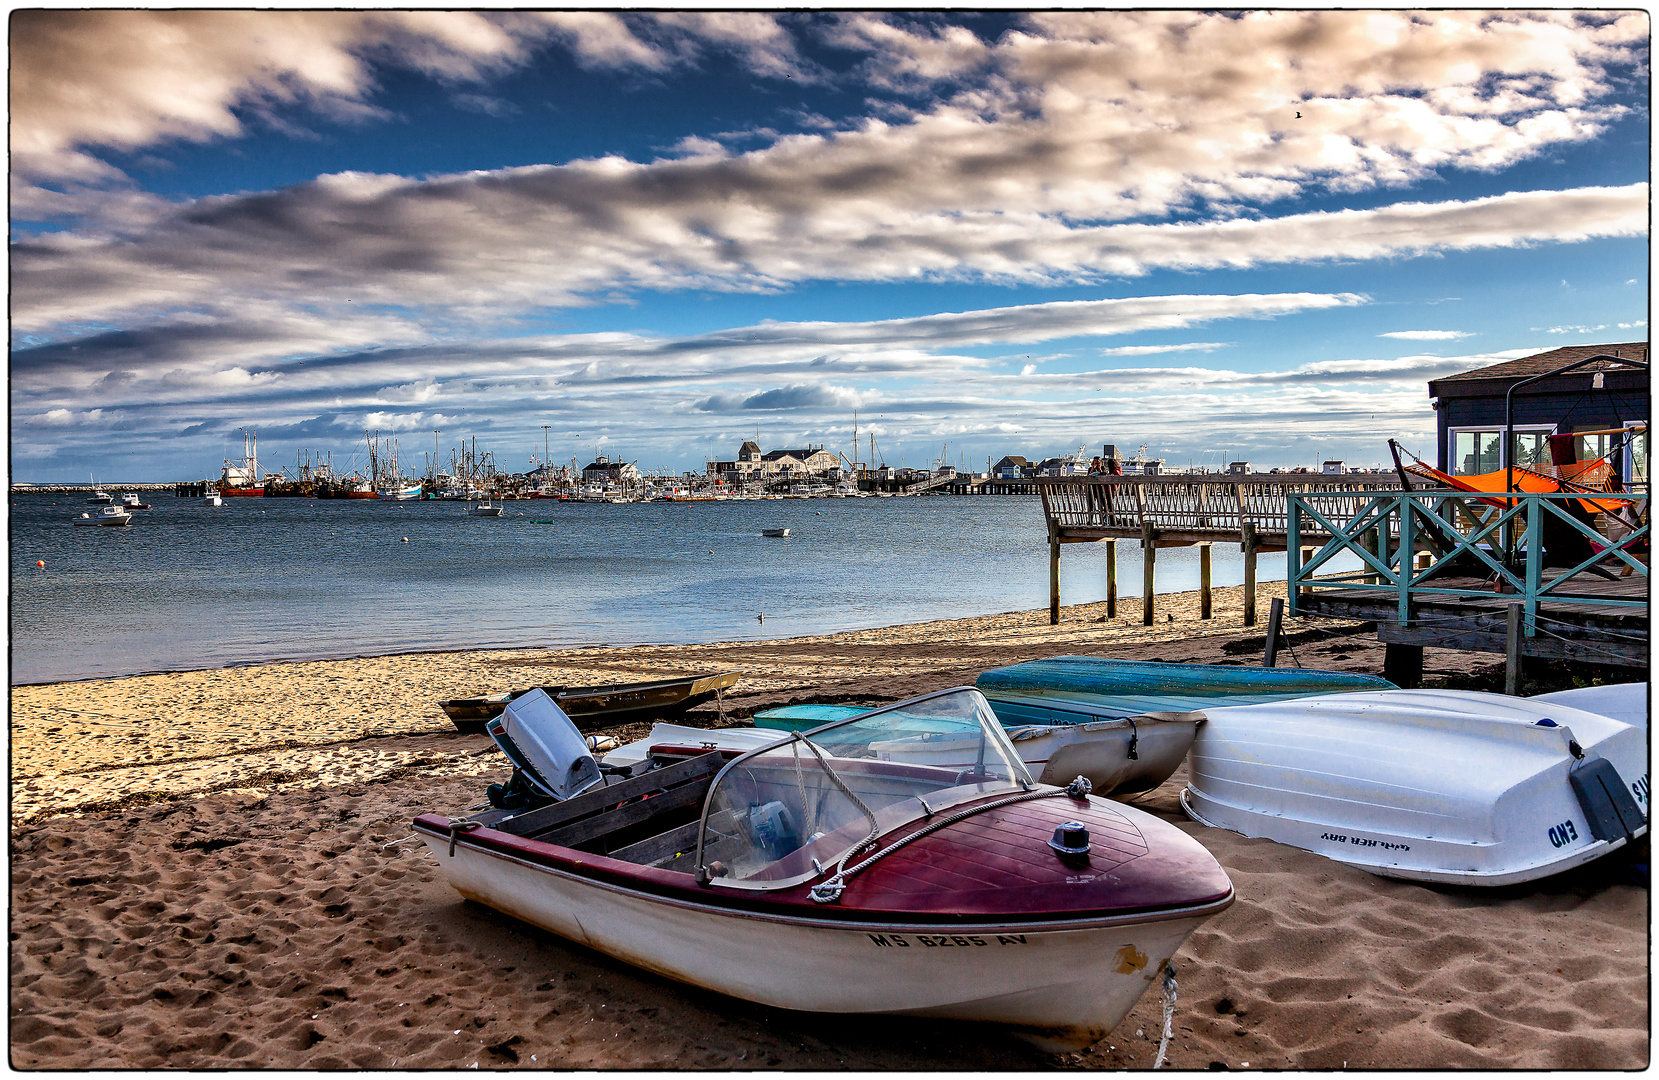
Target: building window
[1476,450]
[1635,462]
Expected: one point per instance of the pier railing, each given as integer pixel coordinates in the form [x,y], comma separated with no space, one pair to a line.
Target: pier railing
[1419,546]
[1185,510]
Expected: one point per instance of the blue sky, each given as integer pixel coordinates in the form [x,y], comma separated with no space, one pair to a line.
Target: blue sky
[660,233]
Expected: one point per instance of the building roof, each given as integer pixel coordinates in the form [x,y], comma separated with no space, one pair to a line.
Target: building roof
[748,447]
[799,455]
[1546,362]
[1013,459]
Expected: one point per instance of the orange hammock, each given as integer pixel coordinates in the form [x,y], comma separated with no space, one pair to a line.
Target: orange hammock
[1580,474]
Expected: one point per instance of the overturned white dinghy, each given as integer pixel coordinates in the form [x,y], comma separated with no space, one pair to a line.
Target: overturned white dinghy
[1624,702]
[1430,785]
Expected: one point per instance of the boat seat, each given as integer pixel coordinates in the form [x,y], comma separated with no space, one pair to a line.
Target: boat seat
[601,811]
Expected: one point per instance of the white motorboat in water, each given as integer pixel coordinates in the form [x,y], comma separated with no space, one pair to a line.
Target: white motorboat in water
[212,498]
[1624,702]
[103,498]
[109,515]
[1448,786]
[486,509]
[811,874]
[774,532]
[130,501]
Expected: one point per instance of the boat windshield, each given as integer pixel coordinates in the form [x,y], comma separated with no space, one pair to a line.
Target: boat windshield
[783,814]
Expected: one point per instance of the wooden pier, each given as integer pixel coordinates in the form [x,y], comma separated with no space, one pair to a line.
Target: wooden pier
[1184,510]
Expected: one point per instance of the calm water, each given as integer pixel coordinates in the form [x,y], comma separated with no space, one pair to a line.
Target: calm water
[192,586]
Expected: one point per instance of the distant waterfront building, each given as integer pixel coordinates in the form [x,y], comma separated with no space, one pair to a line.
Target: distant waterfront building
[1238,468]
[1333,467]
[605,471]
[1011,467]
[787,464]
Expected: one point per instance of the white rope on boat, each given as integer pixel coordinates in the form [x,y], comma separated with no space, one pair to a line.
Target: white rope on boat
[1169,1014]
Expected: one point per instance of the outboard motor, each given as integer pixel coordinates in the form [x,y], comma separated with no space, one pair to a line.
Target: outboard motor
[550,758]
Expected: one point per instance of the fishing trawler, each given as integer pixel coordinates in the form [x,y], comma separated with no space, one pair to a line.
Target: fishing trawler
[244,480]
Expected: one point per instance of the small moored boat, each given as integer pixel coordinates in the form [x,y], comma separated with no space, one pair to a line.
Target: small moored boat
[129,501]
[109,515]
[212,499]
[486,509]
[102,498]
[598,706]
[1448,786]
[774,532]
[840,874]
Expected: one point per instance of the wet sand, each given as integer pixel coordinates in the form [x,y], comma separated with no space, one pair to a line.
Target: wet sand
[200,880]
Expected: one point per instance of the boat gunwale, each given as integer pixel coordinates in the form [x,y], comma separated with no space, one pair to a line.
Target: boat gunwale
[535,855]
[1490,879]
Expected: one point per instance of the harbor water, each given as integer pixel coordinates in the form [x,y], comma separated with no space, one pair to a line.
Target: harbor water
[193,586]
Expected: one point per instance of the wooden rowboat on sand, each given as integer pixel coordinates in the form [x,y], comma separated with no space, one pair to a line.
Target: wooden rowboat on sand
[598,706]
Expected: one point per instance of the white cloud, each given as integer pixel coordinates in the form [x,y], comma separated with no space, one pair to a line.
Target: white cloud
[485,243]
[129,79]
[1426,335]
[1152,350]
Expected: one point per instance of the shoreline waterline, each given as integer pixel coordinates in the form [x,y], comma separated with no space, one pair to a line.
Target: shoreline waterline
[1182,599]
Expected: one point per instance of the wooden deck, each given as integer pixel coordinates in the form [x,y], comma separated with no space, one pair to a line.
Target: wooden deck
[1566,630]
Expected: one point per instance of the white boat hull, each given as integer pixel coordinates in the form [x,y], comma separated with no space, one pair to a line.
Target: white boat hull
[1055,754]
[1100,751]
[1429,785]
[1625,702]
[1061,985]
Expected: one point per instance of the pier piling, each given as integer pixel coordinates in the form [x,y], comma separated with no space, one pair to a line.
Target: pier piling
[1053,576]
[1203,581]
[1149,570]
[1111,579]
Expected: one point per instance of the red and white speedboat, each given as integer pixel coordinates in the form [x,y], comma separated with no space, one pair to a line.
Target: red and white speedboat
[854,871]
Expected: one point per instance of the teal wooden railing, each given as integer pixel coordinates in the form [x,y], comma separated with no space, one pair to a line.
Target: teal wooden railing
[1390,531]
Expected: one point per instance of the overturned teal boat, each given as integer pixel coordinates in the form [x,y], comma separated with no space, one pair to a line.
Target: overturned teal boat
[1124,724]
[1055,690]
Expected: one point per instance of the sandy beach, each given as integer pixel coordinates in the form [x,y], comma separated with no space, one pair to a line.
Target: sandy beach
[204,876]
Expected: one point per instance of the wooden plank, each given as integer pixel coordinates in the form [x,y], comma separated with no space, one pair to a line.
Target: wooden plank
[1249,546]
[623,817]
[1512,652]
[666,846]
[600,799]
[1587,650]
